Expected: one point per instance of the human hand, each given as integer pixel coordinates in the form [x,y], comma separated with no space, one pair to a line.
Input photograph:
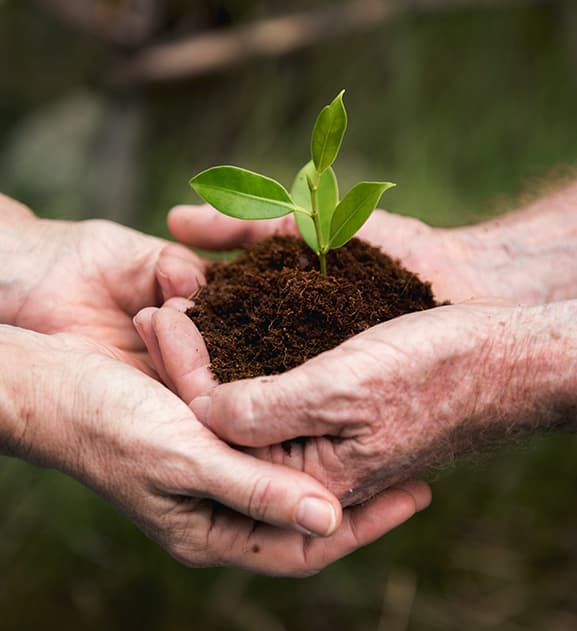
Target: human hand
[88,277]
[526,257]
[68,404]
[180,356]
[403,396]
[459,263]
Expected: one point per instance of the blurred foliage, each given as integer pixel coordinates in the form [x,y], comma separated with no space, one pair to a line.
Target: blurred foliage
[465,109]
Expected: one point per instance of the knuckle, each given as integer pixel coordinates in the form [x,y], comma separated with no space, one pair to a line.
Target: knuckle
[261,498]
[338,399]
[188,555]
[301,566]
[236,407]
[309,564]
[309,568]
[405,501]
[287,225]
[252,419]
[303,572]
[177,208]
[186,543]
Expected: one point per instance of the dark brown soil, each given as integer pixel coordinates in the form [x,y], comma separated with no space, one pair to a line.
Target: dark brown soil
[270,309]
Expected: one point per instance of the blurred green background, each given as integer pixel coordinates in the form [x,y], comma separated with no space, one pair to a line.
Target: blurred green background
[467,108]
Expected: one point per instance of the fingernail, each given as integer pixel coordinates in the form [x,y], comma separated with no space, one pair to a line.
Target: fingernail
[317,517]
[136,322]
[200,407]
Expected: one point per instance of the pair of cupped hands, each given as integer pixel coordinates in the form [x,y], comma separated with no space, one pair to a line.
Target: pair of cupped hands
[128,405]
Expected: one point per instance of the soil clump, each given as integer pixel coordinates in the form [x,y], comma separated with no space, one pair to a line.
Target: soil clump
[270,309]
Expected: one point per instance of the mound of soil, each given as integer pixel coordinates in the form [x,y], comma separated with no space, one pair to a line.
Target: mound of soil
[270,309]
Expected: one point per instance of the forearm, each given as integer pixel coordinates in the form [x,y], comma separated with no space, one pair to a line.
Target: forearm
[12,418]
[21,393]
[529,256]
[520,379]
[528,372]
[50,414]
[41,398]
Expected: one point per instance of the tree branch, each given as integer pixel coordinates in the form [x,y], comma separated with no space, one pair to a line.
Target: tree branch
[128,23]
[273,37]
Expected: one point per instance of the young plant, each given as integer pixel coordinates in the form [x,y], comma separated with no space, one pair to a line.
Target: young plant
[324,222]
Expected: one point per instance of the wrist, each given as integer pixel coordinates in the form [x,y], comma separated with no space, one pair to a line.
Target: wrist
[527,256]
[527,375]
[23,260]
[486,375]
[35,396]
[495,261]
[18,408]
[543,352]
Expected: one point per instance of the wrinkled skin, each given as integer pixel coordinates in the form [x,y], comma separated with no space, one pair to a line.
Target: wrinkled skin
[136,444]
[79,397]
[378,409]
[90,278]
[384,405]
[179,355]
[458,265]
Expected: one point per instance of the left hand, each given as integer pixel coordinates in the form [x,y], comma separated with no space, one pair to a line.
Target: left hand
[88,277]
[375,411]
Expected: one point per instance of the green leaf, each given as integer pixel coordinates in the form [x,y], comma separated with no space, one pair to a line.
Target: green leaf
[240,193]
[354,209]
[327,197]
[328,133]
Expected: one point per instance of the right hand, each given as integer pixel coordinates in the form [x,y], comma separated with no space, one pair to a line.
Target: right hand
[68,404]
[457,262]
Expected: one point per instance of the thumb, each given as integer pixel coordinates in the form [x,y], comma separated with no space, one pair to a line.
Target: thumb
[266,492]
[204,227]
[264,411]
[13,212]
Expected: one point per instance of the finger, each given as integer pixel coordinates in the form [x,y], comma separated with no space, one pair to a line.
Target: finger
[419,490]
[260,490]
[143,324]
[206,228]
[395,234]
[13,211]
[183,353]
[266,410]
[179,272]
[180,304]
[319,462]
[270,551]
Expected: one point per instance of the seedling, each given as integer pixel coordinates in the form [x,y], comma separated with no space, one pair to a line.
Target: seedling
[324,222]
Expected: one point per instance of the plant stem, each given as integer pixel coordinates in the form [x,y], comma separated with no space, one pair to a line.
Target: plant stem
[323,262]
[314,188]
